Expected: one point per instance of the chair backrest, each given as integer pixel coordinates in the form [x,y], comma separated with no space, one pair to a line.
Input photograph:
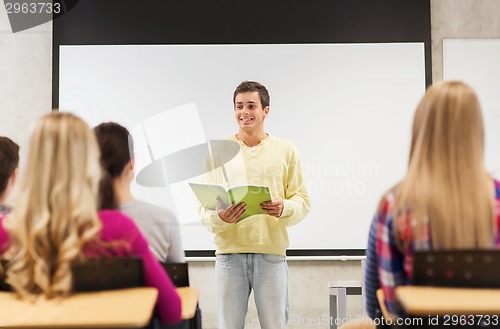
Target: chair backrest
[457,268]
[3,285]
[96,274]
[178,273]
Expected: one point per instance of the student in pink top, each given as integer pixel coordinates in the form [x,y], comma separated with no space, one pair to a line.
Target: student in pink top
[55,219]
[9,160]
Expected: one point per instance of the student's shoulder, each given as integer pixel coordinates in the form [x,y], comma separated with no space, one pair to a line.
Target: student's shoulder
[387,201]
[117,226]
[158,210]
[111,219]
[279,140]
[142,208]
[281,143]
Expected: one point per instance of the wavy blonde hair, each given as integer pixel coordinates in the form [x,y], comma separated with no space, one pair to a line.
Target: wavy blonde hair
[447,183]
[55,214]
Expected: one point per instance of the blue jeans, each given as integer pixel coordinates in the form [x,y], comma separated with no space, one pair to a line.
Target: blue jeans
[236,275]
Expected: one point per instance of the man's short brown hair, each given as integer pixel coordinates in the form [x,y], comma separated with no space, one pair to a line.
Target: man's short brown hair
[249,86]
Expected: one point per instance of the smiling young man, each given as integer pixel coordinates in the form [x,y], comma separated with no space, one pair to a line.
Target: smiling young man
[251,253]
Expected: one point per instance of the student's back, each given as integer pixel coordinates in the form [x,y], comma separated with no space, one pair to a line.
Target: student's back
[55,219]
[159,225]
[447,200]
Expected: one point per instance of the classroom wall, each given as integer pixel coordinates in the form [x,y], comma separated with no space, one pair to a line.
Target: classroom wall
[461,19]
[25,94]
[25,77]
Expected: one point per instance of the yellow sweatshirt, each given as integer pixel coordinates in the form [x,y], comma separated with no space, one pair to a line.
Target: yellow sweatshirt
[274,163]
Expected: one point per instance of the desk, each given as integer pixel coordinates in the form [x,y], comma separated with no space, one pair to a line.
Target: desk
[191,315]
[189,300]
[338,292]
[423,301]
[103,309]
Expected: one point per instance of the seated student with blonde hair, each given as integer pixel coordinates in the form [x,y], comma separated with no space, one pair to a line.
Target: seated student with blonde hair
[55,219]
[447,200]
[9,160]
[158,225]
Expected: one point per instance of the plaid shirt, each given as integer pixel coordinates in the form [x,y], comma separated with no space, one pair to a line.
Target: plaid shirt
[394,267]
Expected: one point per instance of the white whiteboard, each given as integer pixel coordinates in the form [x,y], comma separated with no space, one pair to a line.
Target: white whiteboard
[477,63]
[347,107]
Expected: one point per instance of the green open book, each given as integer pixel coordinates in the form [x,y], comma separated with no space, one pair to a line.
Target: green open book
[251,195]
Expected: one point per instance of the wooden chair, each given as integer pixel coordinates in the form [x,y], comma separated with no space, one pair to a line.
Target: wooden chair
[454,284]
[457,268]
[178,273]
[106,294]
[97,274]
[116,274]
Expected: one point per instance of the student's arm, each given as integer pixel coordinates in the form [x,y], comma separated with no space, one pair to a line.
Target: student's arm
[119,227]
[296,203]
[168,304]
[4,237]
[371,273]
[390,260]
[176,251]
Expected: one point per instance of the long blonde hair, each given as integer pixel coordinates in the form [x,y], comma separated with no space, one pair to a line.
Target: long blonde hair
[447,183]
[55,214]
